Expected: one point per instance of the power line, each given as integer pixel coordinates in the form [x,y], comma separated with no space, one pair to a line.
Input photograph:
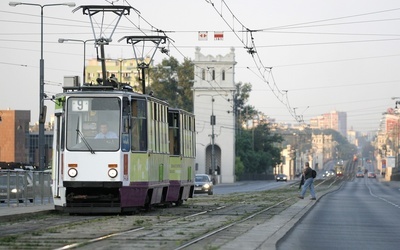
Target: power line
[329,19]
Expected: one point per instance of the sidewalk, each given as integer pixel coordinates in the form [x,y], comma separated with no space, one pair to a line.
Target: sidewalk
[394,184]
[265,236]
[13,211]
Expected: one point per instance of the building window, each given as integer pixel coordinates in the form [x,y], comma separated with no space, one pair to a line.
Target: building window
[213,74]
[223,75]
[203,74]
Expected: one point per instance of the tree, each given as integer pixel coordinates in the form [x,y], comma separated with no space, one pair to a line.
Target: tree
[173,82]
[239,167]
[244,112]
[256,149]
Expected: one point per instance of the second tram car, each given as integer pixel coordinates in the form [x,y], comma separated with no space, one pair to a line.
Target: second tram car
[143,156]
[182,153]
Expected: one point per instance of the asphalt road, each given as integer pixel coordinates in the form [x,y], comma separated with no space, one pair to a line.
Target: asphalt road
[363,214]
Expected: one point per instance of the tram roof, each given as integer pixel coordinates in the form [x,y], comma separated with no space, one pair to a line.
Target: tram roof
[100,89]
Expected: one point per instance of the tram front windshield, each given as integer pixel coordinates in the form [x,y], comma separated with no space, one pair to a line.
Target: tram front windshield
[93,124]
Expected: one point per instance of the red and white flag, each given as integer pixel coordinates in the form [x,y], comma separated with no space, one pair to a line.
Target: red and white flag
[218,35]
[203,35]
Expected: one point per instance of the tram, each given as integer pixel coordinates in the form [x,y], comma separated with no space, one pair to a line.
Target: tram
[339,169]
[143,155]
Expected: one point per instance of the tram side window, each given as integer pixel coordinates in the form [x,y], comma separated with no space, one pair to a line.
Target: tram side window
[173,121]
[139,129]
[125,115]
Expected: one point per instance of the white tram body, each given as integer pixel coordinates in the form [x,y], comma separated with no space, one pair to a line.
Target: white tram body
[128,167]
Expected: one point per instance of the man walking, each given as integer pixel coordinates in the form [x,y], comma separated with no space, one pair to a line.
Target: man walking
[308,183]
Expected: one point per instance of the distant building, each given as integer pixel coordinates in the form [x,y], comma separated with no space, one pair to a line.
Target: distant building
[390,123]
[316,122]
[18,143]
[14,131]
[333,120]
[33,152]
[323,147]
[352,137]
[125,70]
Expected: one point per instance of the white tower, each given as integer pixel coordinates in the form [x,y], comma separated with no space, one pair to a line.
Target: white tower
[213,98]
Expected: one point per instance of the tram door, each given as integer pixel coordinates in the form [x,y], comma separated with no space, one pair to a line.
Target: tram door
[126,138]
[57,154]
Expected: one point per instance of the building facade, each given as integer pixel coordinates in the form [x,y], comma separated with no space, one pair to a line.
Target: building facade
[213,100]
[333,120]
[19,142]
[34,148]
[14,131]
[124,70]
[323,149]
[387,142]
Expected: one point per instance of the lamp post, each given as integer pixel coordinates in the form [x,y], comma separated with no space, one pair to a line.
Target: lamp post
[62,40]
[42,108]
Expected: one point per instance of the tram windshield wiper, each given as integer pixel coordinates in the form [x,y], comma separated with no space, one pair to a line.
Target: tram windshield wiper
[78,132]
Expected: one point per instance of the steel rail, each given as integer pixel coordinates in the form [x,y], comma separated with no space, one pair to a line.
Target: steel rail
[229,225]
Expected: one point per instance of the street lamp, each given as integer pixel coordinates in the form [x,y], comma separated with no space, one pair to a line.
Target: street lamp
[42,108]
[62,40]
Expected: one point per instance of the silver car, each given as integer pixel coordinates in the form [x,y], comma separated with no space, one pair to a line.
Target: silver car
[15,187]
[203,184]
[281,177]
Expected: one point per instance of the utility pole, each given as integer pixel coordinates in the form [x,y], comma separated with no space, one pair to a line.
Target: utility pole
[212,122]
[42,107]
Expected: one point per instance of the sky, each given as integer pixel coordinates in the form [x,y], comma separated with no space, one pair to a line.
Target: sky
[311,56]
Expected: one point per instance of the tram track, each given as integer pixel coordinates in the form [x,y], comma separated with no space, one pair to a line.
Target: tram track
[168,233]
[138,230]
[236,223]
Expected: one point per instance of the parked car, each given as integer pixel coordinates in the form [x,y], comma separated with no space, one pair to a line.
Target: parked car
[360,174]
[371,175]
[15,186]
[281,177]
[203,184]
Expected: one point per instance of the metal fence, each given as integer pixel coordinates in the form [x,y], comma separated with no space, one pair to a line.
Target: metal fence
[23,188]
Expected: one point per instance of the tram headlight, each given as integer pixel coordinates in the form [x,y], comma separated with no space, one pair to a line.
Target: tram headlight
[112,172]
[72,172]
